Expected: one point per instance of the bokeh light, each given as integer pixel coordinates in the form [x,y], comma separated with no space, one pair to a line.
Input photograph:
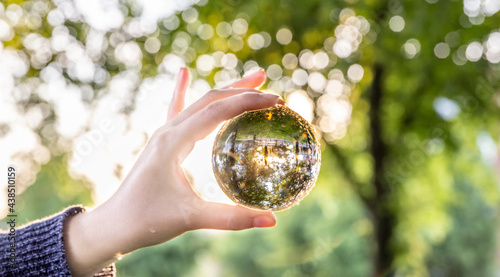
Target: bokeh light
[411,48]
[442,50]
[284,36]
[397,23]
[474,51]
[290,61]
[492,47]
[355,73]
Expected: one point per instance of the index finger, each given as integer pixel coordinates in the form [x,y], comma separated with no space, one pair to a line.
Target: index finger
[207,119]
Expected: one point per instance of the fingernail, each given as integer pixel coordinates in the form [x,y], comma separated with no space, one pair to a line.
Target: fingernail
[263,221]
[253,73]
[183,73]
[269,96]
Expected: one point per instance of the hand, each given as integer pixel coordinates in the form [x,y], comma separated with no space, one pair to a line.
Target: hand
[156,203]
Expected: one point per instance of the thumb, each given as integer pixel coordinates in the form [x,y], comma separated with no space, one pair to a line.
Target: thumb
[229,217]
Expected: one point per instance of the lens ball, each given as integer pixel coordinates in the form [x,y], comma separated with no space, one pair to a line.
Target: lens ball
[266,159]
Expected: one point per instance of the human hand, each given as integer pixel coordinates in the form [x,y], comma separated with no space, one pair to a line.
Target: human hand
[169,197]
[156,203]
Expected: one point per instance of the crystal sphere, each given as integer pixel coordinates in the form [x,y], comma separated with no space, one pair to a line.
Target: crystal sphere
[266,159]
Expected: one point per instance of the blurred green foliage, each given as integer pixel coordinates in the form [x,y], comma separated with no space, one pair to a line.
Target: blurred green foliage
[404,189]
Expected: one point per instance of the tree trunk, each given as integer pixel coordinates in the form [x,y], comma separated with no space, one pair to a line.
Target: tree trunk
[382,217]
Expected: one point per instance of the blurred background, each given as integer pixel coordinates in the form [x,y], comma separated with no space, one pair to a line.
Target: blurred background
[405,95]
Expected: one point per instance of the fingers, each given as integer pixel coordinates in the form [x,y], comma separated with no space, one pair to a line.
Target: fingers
[247,84]
[208,98]
[253,80]
[229,217]
[177,103]
[207,119]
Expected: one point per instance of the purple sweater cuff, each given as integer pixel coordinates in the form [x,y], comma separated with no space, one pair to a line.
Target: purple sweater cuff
[39,248]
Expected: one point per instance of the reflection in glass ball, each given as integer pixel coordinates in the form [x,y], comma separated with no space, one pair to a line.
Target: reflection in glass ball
[266,159]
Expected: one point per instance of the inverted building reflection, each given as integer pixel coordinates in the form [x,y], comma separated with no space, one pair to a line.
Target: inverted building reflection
[267,172]
[267,159]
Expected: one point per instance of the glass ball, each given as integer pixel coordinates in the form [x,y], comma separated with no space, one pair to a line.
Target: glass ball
[266,159]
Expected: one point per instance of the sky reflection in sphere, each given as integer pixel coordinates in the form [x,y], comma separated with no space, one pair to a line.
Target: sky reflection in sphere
[267,159]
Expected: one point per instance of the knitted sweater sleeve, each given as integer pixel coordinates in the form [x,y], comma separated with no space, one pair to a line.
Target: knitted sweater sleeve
[38,248]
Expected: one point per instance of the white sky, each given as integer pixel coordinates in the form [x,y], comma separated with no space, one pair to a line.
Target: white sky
[104,14]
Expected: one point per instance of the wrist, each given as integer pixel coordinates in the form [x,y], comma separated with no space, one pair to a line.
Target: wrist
[83,254]
[96,239]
